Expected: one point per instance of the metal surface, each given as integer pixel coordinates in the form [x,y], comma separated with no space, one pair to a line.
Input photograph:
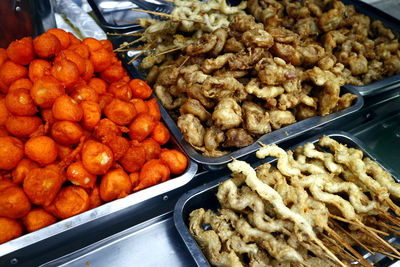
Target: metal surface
[204,197]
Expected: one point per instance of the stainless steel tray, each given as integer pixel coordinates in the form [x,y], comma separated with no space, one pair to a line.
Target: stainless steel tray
[204,197]
[91,218]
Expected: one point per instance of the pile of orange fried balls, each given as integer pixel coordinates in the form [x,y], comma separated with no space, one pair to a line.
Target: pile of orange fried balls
[75,131]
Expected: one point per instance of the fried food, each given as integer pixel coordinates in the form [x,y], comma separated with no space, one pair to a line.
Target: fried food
[22,169]
[66,108]
[19,102]
[160,133]
[134,158]
[176,160]
[141,127]
[115,184]
[41,149]
[14,203]
[46,45]
[21,51]
[153,172]
[70,201]
[66,132]
[45,90]
[37,219]
[11,152]
[97,158]
[91,114]
[9,229]
[78,175]
[120,112]
[23,126]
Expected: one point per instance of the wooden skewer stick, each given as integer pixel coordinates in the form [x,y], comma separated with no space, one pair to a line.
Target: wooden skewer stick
[141,52]
[359,224]
[125,34]
[330,254]
[340,250]
[383,242]
[352,237]
[346,245]
[393,206]
[394,231]
[390,217]
[170,51]
[389,254]
[128,44]
[183,63]
[165,15]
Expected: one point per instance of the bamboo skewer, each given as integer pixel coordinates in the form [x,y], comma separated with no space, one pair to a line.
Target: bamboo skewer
[359,224]
[128,44]
[183,63]
[340,250]
[331,255]
[125,34]
[164,15]
[383,242]
[141,52]
[170,51]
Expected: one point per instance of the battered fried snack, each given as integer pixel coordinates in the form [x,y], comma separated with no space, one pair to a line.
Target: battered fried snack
[46,45]
[160,133]
[10,72]
[19,102]
[23,126]
[176,160]
[66,132]
[70,201]
[120,90]
[141,127]
[97,158]
[45,90]
[14,203]
[21,51]
[9,229]
[38,68]
[66,108]
[11,152]
[120,112]
[78,175]
[115,184]
[37,219]
[41,149]
[91,114]
[94,197]
[153,172]
[22,169]
[152,149]
[134,158]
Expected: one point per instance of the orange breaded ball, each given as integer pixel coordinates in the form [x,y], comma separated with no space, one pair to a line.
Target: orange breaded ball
[113,73]
[10,72]
[119,145]
[70,201]
[66,108]
[99,85]
[3,131]
[105,99]
[73,57]
[94,197]
[134,158]
[89,70]
[78,175]
[84,92]
[41,185]
[23,83]
[37,219]
[21,51]
[21,171]
[134,176]
[41,149]
[66,132]
[140,89]
[97,158]
[140,105]
[80,49]
[46,45]
[153,109]
[152,148]
[66,72]
[106,44]
[91,114]
[141,127]
[47,116]
[115,184]
[101,59]
[14,203]
[45,90]
[62,36]
[74,40]
[11,152]
[19,102]
[92,43]
[4,113]
[23,126]
[105,130]
[153,172]
[160,133]
[120,90]
[39,68]
[120,112]
[176,160]
[9,229]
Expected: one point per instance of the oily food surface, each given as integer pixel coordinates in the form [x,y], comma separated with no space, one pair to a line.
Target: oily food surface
[316,201]
[279,63]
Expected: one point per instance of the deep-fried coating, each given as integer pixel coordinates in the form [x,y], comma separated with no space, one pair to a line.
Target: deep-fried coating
[14,203]
[19,102]
[120,90]
[10,72]
[113,73]
[11,152]
[99,85]
[176,160]
[153,109]
[160,133]
[153,172]
[9,229]
[3,111]
[46,45]
[41,149]
[120,112]
[152,149]
[22,169]
[115,184]
[66,108]
[62,36]
[78,175]
[21,51]
[84,93]
[45,90]
[106,129]
[97,158]
[119,145]
[94,197]
[66,132]
[91,114]
[23,126]
[39,68]
[140,89]
[37,218]
[70,201]
[141,127]
[134,157]
[66,72]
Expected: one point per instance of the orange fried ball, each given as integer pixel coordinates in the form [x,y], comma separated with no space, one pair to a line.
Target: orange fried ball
[91,114]
[73,57]
[13,202]
[113,73]
[45,90]
[41,149]
[141,127]
[120,112]
[140,89]
[66,108]
[66,132]
[89,70]
[99,85]
[115,184]
[92,43]
[140,105]
[19,102]
[152,149]
[94,197]
[134,176]
[105,130]
[9,229]
[153,172]
[62,36]
[4,113]
[160,133]
[39,68]
[11,152]
[97,158]
[63,151]
[21,51]
[85,92]
[10,72]
[106,44]
[101,59]
[119,145]
[23,83]
[176,160]
[80,49]
[78,175]
[73,39]
[37,219]
[41,185]
[23,126]
[46,45]
[21,171]
[120,90]
[66,72]
[70,201]
[134,158]
[154,109]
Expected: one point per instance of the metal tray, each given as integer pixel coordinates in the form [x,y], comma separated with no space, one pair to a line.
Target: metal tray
[29,243]
[204,197]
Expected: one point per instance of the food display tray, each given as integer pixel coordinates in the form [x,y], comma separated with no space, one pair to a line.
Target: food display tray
[57,233]
[204,197]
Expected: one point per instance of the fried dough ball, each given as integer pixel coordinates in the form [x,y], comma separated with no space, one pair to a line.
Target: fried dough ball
[39,68]
[154,109]
[4,113]
[120,90]
[94,197]
[97,158]
[70,201]
[89,70]
[46,45]
[66,72]
[140,89]
[113,73]
[91,114]
[152,148]
[11,152]
[84,92]
[23,83]
[73,57]
[119,145]
[21,51]
[14,203]
[41,149]
[134,158]
[62,36]
[66,108]
[101,59]
[120,112]
[19,102]
[92,43]
[134,176]
[106,44]
[105,130]
[141,127]
[23,126]
[66,132]
[140,105]
[41,185]
[105,99]
[74,40]
[80,49]
[78,175]
[153,172]
[10,72]
[160,133]
[115,184]
[37,219]
[45,90]
[99,85]
[9,229]
[176,160]
[22,169]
